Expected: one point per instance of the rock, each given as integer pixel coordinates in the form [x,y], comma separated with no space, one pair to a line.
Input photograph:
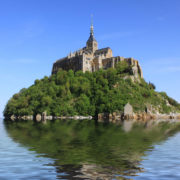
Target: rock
[103,117]
[49,117]
[128,110]
[135,71]
[30,117]
[12,117]
[38,117]
[44,116]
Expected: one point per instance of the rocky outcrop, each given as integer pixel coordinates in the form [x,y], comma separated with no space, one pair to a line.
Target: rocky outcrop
[128,109]
[128,114]
[116,117]
[44,117]
[27,117]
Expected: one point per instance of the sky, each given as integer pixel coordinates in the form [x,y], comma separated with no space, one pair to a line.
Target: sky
[35,33]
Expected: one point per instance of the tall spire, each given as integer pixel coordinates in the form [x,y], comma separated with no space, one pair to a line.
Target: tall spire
[91,43]
[92,28]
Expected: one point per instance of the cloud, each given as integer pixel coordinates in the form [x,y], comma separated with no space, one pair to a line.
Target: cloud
[163,65]
[163,60]
[22,33]
[114,35]
[170,69]
[18,61]
[24,61]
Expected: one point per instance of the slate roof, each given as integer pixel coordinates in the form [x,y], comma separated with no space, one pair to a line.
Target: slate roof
[91,38]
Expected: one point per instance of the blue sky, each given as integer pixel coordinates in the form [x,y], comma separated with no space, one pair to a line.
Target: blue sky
[35,33]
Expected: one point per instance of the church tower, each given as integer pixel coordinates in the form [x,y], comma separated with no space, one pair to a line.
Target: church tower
[91,43]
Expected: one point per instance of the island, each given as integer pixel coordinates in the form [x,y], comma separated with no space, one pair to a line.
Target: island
[91,83]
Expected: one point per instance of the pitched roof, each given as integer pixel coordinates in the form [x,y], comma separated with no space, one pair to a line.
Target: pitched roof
[91,38]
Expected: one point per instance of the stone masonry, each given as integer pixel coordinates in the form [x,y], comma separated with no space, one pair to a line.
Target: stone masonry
[90,58]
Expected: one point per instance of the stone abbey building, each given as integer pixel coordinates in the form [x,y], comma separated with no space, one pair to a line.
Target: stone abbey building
[90,58]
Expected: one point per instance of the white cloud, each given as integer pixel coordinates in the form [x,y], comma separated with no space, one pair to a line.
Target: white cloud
[24,61]
[170,69]
[163,65]
[164,61]
[18,61]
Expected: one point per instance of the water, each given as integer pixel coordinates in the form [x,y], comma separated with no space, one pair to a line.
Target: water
[16,162]
[164,161]
[85,150]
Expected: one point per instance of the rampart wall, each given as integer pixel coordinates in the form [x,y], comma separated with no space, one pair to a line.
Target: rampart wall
[74,63]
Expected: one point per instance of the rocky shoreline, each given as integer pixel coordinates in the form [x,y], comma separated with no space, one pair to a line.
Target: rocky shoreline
[127,114]
[102,117]
[43,117]
[114,117]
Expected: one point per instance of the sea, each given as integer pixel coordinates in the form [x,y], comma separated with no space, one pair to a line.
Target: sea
[84,149]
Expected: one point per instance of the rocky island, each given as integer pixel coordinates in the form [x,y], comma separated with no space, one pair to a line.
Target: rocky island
[92,83]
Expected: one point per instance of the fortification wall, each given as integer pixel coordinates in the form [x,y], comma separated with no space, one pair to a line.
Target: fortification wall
[74,63]
[107,63]
[86,62]
[111,62]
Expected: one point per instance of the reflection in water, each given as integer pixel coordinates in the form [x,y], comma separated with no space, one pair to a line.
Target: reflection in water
[85,150]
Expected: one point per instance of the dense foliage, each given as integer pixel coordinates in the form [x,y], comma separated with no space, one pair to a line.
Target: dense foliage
[78,93]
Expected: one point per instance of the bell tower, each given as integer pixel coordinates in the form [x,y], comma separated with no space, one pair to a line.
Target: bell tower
[91,43]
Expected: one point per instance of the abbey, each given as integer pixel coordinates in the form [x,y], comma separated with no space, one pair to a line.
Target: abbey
[90,58]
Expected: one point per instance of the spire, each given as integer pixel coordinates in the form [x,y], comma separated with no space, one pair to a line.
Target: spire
[92,28]
[91,43]
[91,37]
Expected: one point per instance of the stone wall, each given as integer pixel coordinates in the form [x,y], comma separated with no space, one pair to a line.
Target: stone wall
[74,63]
[88,61]
[107,63]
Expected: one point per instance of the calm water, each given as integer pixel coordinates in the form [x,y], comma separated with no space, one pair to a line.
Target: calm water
[85,150]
